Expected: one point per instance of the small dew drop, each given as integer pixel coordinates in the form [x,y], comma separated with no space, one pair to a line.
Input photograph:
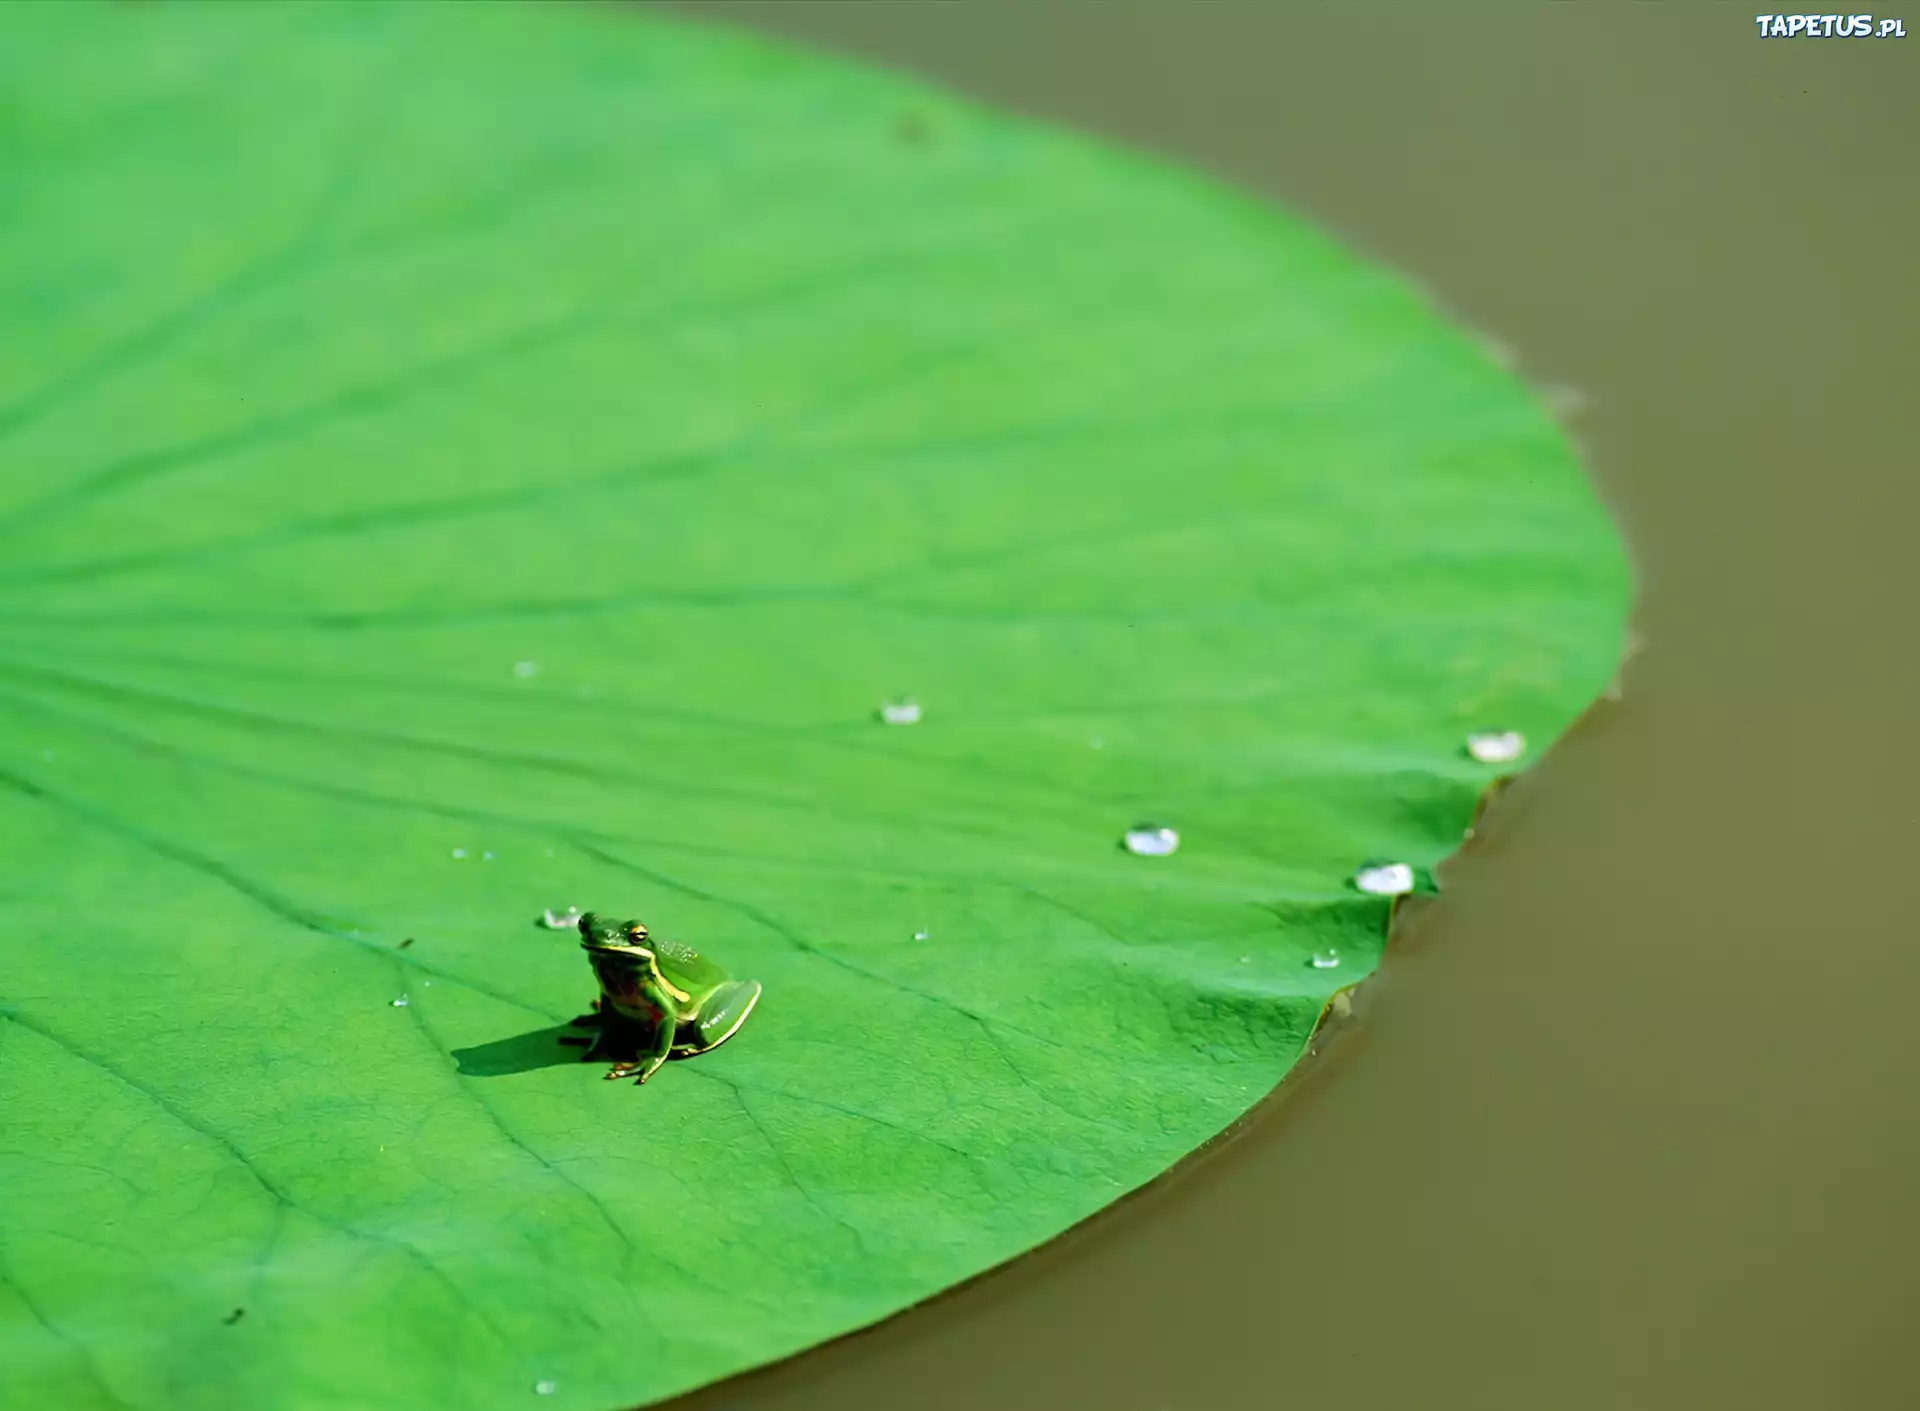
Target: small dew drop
[1496,746]
[561,920]
[1326,960]
[1246,960]
[905,711]
[921,935]
[400,1003]
[486,857]
[459,852]
[524,669]
[1388,879]
[545,1387]
[1151,840]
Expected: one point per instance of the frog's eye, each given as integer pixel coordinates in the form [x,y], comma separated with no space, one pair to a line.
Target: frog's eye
[636,933]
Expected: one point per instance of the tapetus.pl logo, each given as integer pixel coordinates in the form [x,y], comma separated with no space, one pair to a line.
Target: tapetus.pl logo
[1829,27]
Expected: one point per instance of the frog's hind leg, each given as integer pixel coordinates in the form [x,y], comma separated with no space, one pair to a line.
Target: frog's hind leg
[719,1019]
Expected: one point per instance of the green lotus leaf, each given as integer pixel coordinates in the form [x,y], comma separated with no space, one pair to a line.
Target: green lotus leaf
[457,461]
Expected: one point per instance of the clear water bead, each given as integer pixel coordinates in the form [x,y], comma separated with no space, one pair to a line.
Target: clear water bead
[561,920]
[459,852]
[905,711]
[1388,879]
[524,669]
[1496,746]
[1151,840]
[921,935]
[546,1386]
[1326,960]
[400,1003]
[486,857]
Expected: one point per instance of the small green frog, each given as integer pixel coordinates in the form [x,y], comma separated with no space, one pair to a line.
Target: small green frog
[658,999]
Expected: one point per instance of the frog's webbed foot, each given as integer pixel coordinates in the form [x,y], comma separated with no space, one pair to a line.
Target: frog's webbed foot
[646,1067]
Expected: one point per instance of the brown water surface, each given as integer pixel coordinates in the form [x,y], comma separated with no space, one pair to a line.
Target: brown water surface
[1629,1119]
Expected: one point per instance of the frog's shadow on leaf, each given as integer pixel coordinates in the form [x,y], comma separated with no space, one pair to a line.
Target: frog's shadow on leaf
[537,1048]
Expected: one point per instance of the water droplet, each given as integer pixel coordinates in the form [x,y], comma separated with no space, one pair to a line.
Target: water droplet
[1386,879]
[905,711]
[459,852]
[1151,840]
[546,1386]
[425,983]
[1496,746]
[1246,960]
[400,1003]
[524,669]
[921,935]
[561,920]
[1326,960]
[486,857]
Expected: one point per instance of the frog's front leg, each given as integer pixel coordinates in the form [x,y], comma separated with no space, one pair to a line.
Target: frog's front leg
[656,1044]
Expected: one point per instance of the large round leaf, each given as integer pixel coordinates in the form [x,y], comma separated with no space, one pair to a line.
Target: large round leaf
[456,461]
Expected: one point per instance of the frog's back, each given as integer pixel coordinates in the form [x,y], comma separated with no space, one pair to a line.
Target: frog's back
[686,968]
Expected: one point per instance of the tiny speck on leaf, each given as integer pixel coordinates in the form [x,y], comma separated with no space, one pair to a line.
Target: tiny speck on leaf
[234,1317]
[407,942]
[1150,840]
[1384,879]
